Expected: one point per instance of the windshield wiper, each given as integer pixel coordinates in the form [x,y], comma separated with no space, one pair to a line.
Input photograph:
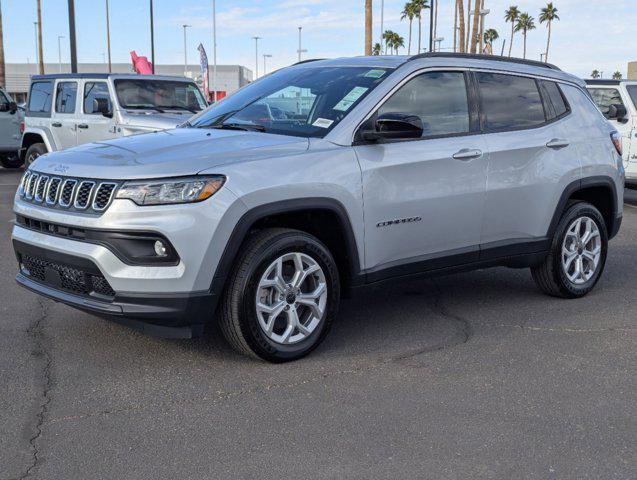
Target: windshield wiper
[239,126]
[144,107]
[179,107]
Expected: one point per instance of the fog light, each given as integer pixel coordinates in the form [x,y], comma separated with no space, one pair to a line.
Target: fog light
[160,249]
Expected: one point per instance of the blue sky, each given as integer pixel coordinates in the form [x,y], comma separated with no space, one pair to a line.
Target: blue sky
[602,37]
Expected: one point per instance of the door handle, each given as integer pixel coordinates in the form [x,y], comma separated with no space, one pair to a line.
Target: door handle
[83,126]
[56,124]
[467,154]
[557,143]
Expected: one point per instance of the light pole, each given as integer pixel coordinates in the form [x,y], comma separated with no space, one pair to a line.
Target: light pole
[60,37]
[256,56]
[438,40]
[382,17]
[108,38]
[185,51]
[483,12]
[265,55]
[35,29]
[214,50]
[72,42]
[152,39]
[300,50]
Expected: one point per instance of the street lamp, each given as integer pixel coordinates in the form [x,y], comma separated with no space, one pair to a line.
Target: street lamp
[438,40]
[35,28]
[108,37]
[300,50]
[185,51]
[265,55]
[256,56]
[60,37]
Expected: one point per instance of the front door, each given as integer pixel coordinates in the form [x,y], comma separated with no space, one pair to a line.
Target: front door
[64,116]
[424,198]
[604,97]
[93,125]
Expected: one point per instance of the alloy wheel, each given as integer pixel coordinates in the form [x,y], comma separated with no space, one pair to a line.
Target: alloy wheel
[581,250]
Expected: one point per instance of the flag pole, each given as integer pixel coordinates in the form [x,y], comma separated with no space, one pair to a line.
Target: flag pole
[214,51]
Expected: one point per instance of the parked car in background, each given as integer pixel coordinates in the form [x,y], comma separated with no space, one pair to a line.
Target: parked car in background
[390,166]
[65,110]
[617,100]
[11,117]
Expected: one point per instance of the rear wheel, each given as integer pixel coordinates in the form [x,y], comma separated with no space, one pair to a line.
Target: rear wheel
[282,296]
[577,256]
[33,152]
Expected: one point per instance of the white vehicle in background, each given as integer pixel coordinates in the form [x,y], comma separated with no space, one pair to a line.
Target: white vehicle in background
[617,100]
[65,110]
[11,116]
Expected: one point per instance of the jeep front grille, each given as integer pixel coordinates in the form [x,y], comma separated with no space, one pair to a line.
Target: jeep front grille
[90,196]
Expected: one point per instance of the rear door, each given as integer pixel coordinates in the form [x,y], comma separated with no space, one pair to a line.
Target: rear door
[93,126]
[64,116]
[531,159]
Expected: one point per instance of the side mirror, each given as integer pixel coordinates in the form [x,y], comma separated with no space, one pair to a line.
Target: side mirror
[395,126]
[13,107]
[102,105]
[617,111]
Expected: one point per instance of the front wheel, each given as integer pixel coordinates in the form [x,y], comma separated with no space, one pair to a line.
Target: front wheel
[282,296]
[33,152]
[577,256]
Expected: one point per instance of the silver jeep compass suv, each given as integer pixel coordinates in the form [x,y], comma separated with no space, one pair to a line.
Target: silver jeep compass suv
[321,177]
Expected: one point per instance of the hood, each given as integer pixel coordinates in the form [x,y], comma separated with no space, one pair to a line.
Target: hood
[151,120]
[181,151]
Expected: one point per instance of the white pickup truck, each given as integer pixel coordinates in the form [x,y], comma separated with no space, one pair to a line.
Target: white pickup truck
[617,100]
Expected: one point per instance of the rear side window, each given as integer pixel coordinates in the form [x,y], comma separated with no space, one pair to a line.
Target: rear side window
[632,91]
[509,102]
[438,98]
[605,97]
[554,102]
[40,98]
[94,93]
[65,96]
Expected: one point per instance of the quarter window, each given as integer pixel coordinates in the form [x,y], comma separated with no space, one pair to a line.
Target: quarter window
[65,97]
[553,100]
[605,97]
[40,97]
[94,93]
[438,98]
[632,91]
[509,102]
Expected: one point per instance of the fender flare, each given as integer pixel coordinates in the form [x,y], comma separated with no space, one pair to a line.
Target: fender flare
[44,133]
[248,219]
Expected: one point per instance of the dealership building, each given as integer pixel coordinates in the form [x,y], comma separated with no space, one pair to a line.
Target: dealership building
[229,77]
[632,71]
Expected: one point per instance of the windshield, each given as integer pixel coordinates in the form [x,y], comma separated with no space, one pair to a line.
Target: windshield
[159,95]
[632,91]
[306,102]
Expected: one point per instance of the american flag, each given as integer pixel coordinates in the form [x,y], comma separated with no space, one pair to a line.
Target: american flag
[203,59]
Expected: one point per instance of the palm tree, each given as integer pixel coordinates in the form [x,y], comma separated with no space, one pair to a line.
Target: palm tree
[376,49]
[398,42]
[409,13]
[461,32]
[476,23]
[490,36]
[548,15]
[525,23]
[419,6]
[595,74]
[512,15]
[388,37]
[468,30]
[617,75]
[368,27]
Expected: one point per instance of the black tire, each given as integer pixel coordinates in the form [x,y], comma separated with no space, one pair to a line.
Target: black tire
[11,160]
[33,152]
[550,276]
[238,316]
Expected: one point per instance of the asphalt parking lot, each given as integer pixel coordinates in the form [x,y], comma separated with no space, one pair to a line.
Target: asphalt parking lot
[470,376]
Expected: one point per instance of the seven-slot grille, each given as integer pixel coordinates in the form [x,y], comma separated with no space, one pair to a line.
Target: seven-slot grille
[92,196]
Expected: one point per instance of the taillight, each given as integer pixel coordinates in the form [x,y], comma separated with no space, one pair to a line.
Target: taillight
[21,128]
[616,138]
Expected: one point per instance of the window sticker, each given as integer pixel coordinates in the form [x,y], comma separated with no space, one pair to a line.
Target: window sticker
[349,99]
[375,73]
[323,123]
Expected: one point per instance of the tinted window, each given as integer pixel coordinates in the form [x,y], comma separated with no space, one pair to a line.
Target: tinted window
[509,101]
[162,94]
[438,98]
[605,97]
[553,100]
[632,91]
[65,95]
[93,93]
[40,97]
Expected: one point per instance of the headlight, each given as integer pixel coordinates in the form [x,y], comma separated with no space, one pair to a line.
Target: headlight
[170,191]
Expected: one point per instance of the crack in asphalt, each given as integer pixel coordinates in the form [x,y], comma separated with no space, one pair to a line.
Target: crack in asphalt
[36,332]
[560,329]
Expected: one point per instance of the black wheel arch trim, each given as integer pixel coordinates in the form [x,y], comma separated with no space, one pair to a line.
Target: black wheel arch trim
[587,182]
[251,217]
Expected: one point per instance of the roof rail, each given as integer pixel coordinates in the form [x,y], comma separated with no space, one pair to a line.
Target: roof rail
[473,56]
[308,61]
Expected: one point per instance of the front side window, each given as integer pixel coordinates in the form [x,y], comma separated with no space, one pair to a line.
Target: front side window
[605,97]
[632,91]
[439,99]
[65,96]
[40,97]
[159,95]
[96,93]
[300,101]
[509,102]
